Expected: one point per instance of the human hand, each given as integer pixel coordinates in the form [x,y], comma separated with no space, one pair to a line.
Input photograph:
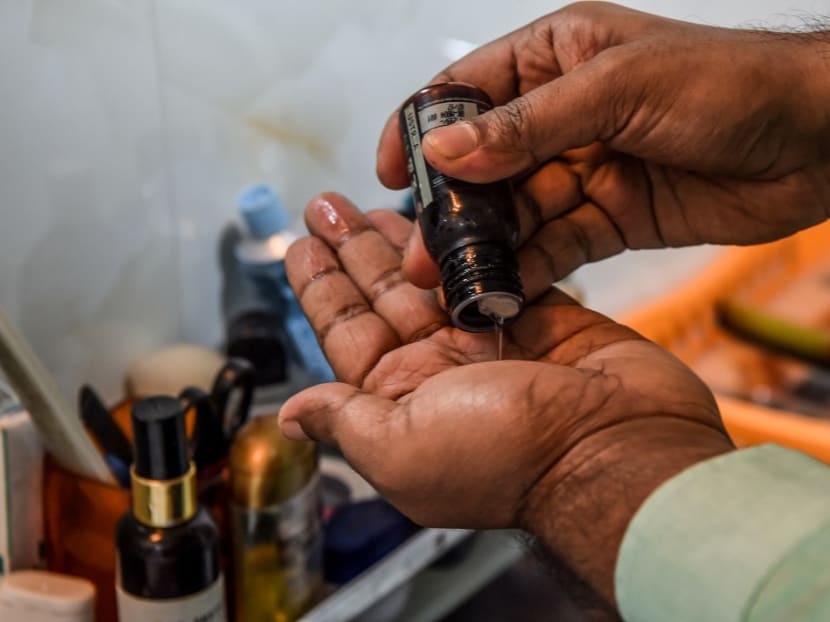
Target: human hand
[627,130]
[575,428]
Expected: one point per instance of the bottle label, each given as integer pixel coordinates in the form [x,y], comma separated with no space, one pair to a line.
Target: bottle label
[301,542]
[205,606]
[284,549]
[417,164]
[446,113]
[425,179]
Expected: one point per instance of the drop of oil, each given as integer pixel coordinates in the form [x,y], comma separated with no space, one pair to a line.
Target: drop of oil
[499,322]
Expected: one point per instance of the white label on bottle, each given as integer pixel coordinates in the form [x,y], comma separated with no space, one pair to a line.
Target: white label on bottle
[300,541]
[445,113]
[417,155]
[205,606]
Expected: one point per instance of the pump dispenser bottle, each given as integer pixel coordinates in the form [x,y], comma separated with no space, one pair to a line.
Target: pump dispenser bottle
[469,229]
[168,566]
[261,255]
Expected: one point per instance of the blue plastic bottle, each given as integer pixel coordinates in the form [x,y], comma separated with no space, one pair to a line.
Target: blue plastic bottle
[261,253]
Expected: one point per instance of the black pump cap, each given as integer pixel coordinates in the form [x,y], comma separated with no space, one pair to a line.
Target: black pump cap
[255,337]
[159,438]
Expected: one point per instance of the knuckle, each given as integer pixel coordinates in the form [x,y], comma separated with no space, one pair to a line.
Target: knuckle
[587,8]
[579,14]
[340,315]
[514,124]
[386,282]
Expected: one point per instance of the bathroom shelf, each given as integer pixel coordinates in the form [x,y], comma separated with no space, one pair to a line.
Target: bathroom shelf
[432,591]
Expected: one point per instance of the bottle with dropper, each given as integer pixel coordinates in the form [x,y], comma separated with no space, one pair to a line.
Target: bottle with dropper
[167,546]
[469,229]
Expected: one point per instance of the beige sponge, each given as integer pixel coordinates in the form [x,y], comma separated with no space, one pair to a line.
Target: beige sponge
[171,369]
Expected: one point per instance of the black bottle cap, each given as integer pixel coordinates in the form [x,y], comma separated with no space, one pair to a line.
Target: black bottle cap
[159,438]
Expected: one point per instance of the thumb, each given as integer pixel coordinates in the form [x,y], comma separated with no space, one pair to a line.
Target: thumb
[572,111]
[337,414]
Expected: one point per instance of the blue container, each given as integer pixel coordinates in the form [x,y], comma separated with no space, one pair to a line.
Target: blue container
[261,254]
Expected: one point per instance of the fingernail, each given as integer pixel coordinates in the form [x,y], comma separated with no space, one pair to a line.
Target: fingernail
[338,227]
[327,209]
[453,141]
[292,430]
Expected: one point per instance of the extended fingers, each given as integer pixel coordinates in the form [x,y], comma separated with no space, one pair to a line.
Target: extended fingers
[417,266]
[374,265]
[353,337]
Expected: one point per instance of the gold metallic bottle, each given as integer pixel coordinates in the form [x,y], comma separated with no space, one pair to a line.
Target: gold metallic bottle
[275,524]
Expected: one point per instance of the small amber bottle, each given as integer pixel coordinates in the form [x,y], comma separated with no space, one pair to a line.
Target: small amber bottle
[275,524]
[469,229]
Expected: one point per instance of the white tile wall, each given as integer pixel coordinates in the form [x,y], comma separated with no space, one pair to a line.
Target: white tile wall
[86,243]
[128,126]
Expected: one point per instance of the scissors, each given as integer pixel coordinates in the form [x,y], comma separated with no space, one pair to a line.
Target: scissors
[220,413]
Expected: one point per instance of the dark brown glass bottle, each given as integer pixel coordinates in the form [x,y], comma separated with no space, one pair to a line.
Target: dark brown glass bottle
[168,565]
[469,229]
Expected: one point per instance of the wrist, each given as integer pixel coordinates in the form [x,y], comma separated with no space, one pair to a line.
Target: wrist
[582,507]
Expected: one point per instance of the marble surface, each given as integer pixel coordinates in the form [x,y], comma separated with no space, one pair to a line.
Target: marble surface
[129,126]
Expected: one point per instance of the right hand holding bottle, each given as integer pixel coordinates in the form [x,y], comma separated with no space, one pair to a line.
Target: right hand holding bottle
[627,130]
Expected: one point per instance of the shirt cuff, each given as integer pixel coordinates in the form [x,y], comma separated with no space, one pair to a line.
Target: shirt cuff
[706,544]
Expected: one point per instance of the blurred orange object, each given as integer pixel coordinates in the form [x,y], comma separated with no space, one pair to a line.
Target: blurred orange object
[80,516]
[685,322]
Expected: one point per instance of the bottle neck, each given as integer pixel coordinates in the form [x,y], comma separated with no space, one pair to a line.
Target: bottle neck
[165,503]
[482,287]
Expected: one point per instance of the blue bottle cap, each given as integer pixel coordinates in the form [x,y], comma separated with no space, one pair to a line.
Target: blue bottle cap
[263,211]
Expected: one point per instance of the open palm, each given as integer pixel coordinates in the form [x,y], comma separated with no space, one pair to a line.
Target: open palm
[446,432]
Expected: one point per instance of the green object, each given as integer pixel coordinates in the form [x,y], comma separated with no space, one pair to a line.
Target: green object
[776,332]
[739,538]
[799,587]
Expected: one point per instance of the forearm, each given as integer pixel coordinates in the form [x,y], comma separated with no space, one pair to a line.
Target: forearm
[582,507]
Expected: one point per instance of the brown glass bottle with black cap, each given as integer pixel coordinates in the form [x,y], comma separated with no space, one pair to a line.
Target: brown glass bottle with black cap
[470,230]
[168,565]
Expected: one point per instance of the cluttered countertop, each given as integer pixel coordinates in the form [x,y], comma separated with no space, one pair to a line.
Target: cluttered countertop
[219,510]
[733,324]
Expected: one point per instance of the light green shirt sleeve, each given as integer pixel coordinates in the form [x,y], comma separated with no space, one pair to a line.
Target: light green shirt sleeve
[744,537]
